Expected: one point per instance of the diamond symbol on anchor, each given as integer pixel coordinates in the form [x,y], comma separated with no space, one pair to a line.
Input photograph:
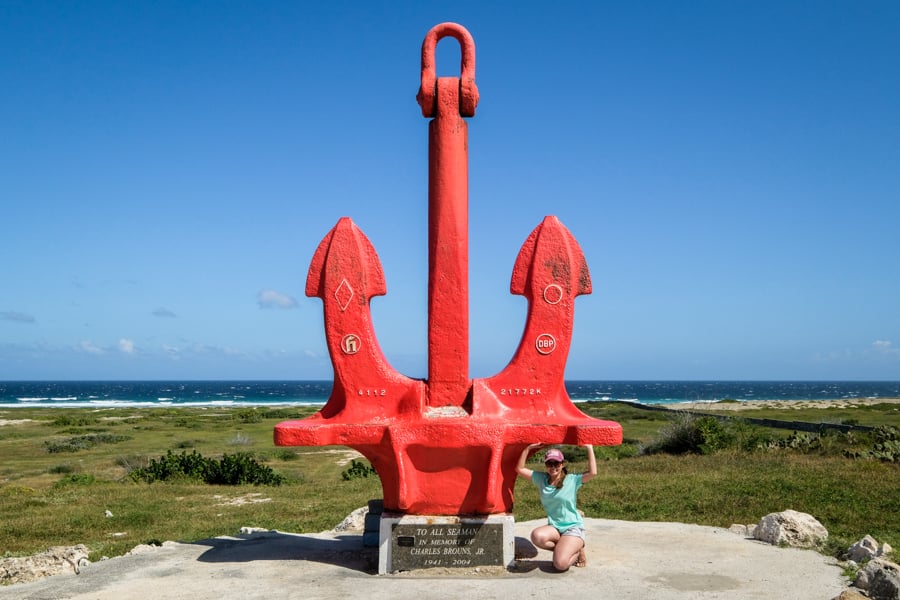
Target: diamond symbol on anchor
[343,294]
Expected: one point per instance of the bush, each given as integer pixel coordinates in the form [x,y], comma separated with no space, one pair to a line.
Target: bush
[885,446]
[232,469]
[241,468]
[83,442]
[688,434]
[73,421]
[249,415]
[285,454]
[801,441]
[358,469]
[76,479]
[627,449]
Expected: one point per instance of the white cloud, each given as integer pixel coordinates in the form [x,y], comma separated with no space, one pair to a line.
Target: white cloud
[126,346]
[164,312]
[273,299]
[11,315]
[89,347]
[885,347]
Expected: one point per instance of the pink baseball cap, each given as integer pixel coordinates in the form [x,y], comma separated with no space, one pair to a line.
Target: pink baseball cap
[554,454]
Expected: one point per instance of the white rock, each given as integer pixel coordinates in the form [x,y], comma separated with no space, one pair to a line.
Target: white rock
[355,521]
[791,528]
[252,530]
[108,514]
[55,560]
[881,578]
[885,582]
[863,550]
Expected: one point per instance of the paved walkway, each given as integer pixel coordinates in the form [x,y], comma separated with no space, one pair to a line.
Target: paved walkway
[626,560]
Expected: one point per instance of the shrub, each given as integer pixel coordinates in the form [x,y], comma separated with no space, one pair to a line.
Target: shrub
[885,446]
[76,479]
[687,433]
[285,454]
[627,449]
[249,415]
[73,421]
[801,441]
[231,469]
[358,469]
[241,468]
[713,435]
[283,413]
[83,442]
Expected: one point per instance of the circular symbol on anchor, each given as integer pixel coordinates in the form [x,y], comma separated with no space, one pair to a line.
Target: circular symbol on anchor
[351,343]
[545,343]
[553,294]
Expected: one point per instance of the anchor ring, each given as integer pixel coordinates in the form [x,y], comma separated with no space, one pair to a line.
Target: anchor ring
[468,91]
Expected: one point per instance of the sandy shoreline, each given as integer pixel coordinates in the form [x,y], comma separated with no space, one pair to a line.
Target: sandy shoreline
[782,404]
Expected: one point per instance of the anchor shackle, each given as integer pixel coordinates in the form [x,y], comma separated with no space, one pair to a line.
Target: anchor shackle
[468,91]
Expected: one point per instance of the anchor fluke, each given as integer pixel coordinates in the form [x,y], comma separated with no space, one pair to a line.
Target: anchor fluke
[550,271]
[560,251]
[349,251]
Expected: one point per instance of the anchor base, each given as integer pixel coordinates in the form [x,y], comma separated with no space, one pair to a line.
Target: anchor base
[413,542]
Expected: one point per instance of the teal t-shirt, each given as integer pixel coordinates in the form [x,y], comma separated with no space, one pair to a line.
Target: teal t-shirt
[559,502]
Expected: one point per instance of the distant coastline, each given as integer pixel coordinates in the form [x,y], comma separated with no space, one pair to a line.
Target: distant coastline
[135,394]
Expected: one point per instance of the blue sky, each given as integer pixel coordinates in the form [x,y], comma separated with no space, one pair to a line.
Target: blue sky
[730,169]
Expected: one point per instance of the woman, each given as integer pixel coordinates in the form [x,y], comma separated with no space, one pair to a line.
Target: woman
[564,535]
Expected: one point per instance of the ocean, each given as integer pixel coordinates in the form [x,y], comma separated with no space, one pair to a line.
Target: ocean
[106,394]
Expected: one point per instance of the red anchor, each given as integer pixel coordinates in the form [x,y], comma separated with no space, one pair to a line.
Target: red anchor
[448,445]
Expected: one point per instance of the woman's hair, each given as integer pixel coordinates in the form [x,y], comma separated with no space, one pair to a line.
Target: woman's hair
[562,478]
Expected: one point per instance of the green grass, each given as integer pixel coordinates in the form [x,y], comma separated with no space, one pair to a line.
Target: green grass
[49,499]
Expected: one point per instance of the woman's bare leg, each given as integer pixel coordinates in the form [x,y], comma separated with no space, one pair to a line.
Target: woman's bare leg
[545,537]
[568,550]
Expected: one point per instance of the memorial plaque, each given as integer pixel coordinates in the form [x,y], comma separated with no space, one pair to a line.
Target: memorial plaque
[426,546]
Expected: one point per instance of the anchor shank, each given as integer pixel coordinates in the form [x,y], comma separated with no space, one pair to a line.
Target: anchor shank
[448,250]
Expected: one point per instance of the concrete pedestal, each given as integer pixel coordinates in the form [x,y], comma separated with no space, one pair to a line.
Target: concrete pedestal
[410,542]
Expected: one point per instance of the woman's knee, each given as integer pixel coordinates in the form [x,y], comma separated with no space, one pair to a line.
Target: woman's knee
[544,537]
[562,564]
[566,552]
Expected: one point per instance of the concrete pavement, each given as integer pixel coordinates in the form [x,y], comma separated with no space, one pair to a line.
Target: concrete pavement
[626,560]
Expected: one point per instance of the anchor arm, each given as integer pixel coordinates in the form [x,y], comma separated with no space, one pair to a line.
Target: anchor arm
[345,273]
[550,271]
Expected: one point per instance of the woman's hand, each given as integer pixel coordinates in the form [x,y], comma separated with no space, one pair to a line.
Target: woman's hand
[521,469]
